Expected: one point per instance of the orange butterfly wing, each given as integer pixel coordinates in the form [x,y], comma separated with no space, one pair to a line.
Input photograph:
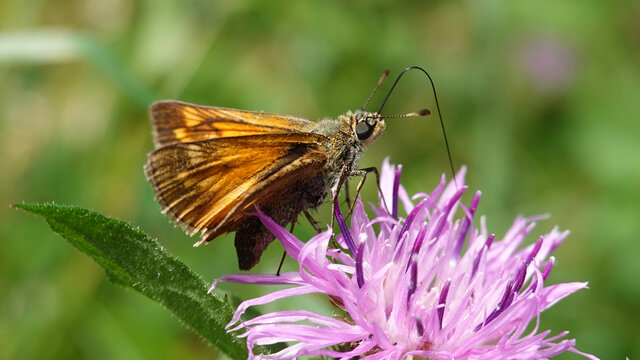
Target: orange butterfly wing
[178,122]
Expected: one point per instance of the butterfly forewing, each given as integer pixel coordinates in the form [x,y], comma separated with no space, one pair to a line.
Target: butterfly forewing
[177,122]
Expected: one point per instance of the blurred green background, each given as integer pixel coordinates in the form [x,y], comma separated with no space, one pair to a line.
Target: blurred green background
[541,101]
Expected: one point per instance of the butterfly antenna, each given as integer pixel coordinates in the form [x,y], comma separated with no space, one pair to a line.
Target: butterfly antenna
[423,112]
[384,75]
[435,96]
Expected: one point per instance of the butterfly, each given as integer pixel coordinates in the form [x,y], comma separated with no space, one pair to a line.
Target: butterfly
[212,166]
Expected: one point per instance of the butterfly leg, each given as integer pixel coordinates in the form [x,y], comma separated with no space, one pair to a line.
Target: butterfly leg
[284,252]
[317,228]
[344,175]
[346,193]
[363,173]
[313,222]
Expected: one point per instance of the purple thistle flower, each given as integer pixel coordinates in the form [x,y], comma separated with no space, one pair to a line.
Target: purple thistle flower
[409,290]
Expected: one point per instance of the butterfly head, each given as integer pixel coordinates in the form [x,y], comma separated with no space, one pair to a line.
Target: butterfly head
[367,126]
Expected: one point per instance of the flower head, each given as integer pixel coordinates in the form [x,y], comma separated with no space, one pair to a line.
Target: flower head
[409,290]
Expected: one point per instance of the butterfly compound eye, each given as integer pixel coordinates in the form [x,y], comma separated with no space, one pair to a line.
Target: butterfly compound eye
[364,130]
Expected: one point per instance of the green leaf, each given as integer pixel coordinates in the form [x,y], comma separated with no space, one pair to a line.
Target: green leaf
[131,258]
